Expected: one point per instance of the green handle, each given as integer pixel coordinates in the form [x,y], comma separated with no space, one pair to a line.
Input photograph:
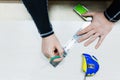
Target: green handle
[56,57]
[52,60]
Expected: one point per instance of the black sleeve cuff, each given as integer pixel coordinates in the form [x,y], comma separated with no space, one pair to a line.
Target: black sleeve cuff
[47,34]
[113,12]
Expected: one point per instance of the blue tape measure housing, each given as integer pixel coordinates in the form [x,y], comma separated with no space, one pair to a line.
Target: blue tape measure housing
[90,64]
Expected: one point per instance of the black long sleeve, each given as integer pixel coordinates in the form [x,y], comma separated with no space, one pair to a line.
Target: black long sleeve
[112,13]
[39,13]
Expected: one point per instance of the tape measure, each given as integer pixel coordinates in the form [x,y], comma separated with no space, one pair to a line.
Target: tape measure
[90,65]
[69,44]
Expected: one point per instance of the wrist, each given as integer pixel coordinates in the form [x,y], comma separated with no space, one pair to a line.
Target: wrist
[107,19]
[48,37]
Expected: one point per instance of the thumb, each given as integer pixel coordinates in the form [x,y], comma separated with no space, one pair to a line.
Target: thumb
[88,14]
[60,50]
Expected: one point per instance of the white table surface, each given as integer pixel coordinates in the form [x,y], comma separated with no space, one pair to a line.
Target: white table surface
[21,57]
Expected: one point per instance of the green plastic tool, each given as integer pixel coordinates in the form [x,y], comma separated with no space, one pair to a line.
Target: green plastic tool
[80,10]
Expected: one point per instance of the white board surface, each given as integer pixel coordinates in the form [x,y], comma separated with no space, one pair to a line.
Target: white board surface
[21,57]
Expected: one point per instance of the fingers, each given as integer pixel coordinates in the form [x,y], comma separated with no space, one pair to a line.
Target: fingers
[87,29]
[101,27]
[60,50]
[92,39]
[86,36]
[51,53]
[55,52]
[89,14]
[58,60]
[100,41]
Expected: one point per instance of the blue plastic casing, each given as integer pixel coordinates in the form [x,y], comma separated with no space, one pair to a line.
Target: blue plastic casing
[90,64]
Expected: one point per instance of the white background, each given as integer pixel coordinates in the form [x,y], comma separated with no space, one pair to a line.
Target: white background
[20,45]
[21,57]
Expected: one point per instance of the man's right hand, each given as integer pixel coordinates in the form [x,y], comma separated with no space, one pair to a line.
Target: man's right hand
[51,47]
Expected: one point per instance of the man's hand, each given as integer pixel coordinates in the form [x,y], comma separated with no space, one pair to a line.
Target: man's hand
[99,28]
[51,47]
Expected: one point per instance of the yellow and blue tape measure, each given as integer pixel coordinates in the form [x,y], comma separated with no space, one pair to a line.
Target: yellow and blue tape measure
[90,64]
